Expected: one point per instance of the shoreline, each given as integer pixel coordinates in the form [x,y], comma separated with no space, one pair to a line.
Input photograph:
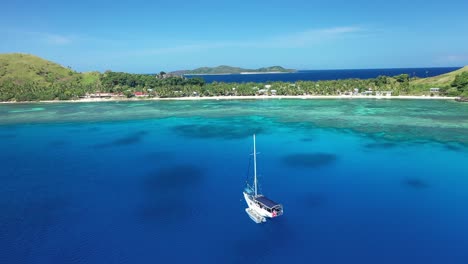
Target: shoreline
[247,97]
[233,73]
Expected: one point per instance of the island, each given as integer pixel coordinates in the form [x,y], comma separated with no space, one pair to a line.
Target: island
[25,78]
[224,69]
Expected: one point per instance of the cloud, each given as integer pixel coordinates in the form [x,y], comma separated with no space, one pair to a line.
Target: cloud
[32,37]
[298,39]
[56,39]
[306,38]
[314,36]
[179,48]
[454,58]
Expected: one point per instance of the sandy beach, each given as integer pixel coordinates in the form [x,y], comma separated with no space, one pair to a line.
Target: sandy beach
[259,97]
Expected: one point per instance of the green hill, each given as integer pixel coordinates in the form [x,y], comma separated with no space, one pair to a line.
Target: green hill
[224,69]
[453,83]
[440,80]
[22,68]
[28,77]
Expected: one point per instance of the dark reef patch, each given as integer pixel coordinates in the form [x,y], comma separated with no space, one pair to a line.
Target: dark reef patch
[454,147]
[124,141]
[169,194]
[94,129]
[159,155]
[169,211]
[224,131]
[7,136]
[416,183]
[310,160]
[381,145]
[74,130]
[174,178]
[57,143]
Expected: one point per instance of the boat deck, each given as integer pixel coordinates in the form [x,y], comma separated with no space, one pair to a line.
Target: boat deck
[255,216]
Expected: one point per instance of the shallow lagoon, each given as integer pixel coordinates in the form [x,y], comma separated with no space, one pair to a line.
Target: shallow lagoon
[362,181]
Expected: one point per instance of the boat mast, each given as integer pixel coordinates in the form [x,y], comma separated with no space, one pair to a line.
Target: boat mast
[255,166]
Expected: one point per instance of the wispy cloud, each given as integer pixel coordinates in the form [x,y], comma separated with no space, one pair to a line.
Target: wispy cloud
[40,37]
[55,39]
[314,36]
[454,58]
[182,48]
[305,38]
[298,39]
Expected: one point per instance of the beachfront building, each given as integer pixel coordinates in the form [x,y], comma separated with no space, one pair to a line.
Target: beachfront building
[262,91]
[434,90]
[140,94]
[383,93]
[100,95]
[273,92]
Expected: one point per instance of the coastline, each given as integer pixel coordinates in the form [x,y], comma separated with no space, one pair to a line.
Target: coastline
[263,72]
[247,97]
[233,73]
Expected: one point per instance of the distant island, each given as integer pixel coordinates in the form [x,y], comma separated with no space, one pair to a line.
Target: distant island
[25,78]
[223,69]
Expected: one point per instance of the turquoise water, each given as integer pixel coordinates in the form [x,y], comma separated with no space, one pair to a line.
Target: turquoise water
[361,181]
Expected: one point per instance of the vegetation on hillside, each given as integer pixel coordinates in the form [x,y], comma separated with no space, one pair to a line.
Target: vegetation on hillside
[450,84]
[460,85]
[29,78]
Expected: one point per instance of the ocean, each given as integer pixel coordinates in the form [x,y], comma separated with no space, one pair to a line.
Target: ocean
[317,75]
[361,181]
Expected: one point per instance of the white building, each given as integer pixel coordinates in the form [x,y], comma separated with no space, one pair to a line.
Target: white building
[383,93]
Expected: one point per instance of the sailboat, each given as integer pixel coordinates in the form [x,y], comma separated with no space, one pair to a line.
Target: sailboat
[259,206]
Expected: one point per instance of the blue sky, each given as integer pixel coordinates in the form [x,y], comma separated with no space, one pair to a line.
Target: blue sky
[150,36]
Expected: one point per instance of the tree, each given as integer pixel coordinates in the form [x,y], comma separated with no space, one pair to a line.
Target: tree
[128,94]
[461,82]
[402,78]
[381,80]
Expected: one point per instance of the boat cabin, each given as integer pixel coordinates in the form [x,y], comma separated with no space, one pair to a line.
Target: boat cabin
[269,205]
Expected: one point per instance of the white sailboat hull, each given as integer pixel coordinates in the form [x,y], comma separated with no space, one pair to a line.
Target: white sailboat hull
[253,206]
[259,206]
[255,216]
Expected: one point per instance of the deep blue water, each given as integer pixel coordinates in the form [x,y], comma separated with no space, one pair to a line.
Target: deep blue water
[317,75]
[361,181]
